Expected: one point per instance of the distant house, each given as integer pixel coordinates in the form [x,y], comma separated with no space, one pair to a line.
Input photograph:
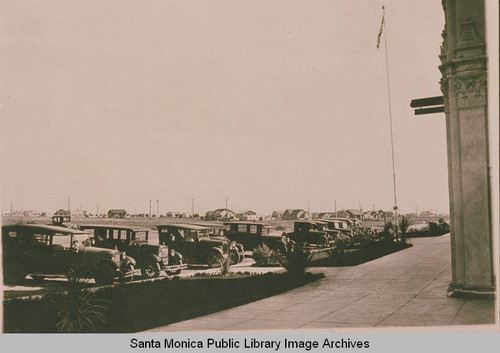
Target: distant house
[427,214]
[323,215]
[371,216]
[79,213]
[277,214]
[247,216]
[355,213]
[117,213]
[62,212]
[220,214]
[290,214]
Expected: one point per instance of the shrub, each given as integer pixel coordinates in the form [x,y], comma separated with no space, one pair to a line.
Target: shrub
[78,310]
[296,261]
[262,255]
[363,237]
[225,265]
[404,225]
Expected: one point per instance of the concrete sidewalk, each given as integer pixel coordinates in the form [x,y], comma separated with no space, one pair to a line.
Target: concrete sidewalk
[407,288]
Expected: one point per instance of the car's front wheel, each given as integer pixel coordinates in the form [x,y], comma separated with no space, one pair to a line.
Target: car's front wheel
[128,273]
[104,275]
[234,256]
[13,272]
[214,260]
[150,270]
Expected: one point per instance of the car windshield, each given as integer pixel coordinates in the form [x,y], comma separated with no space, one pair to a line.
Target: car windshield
[60,239]
[81,239]
[140,236]
[266,230]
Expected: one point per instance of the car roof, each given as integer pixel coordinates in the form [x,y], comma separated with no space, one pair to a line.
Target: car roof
[116,226]
[247,223]
[50,228]
[183,225]
[209,225]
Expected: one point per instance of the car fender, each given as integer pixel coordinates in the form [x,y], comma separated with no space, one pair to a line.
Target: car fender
[217,250]
[151,258]
[128,261]
[108,262]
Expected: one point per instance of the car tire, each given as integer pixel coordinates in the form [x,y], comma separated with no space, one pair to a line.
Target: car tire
[279,250]
[214,260]
[322,242]
[104,275]
[150,270]
[129,269]
[234,256]
[14,272]
[173,273]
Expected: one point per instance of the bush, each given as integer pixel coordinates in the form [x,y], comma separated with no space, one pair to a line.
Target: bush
[263,256]
[78,310]
[433,229]
[363,237]
[296,261]
[224,266]
[404,225]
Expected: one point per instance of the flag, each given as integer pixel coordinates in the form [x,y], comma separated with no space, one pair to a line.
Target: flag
[381,30]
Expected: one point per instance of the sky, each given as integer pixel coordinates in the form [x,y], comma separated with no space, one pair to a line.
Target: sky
[272,104]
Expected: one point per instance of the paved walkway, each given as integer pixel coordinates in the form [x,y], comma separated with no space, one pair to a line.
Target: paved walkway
[407,288]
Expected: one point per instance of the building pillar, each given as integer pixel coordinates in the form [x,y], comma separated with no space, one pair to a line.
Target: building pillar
[464,86]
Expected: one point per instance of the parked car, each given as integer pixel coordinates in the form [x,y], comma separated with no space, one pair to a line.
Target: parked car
[339,226]
[195,243]
[151,259]
[252,234]
[311,232]
[217,231]
[50,251]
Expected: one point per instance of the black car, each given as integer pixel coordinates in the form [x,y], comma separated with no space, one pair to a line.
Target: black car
[252,234]
[195,243]
[43,251]
[151,259]
[312,233]
[217,231]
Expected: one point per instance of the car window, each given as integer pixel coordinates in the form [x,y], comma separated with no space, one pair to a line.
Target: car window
[13,234]
[253,229]
[116,234]
[139,236]
[190,236]
[63,240]
[227,227]
[242,228]
[39,239]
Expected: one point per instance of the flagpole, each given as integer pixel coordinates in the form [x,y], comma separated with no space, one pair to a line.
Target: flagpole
[390,121]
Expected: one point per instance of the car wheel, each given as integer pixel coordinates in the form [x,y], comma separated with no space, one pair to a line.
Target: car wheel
[14,272]
[235,258]
[173,273]
[214,260]
[128,270]
[322,242]
[279,250]
[104,275]
[37,279]
[150,270]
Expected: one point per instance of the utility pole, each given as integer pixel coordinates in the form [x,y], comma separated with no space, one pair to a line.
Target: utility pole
[150,210]
[97,209]
[309,210]
[226,201]
[158,208]
[192,207]
[69,209]
[335,201]
[11,208]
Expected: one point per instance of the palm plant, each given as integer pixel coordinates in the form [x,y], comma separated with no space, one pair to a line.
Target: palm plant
[404,225]
[78,310]
[296,261]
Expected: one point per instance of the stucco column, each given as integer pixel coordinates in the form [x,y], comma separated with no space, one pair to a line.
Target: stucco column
[464,86]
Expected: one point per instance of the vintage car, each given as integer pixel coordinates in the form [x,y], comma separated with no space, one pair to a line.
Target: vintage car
[339,225]
[43,251]
[195,243]
[151,259]
[252,234]
[217,231]
[312,233]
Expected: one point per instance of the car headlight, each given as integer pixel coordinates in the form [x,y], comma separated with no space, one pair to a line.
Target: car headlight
[115,257]
[123,255]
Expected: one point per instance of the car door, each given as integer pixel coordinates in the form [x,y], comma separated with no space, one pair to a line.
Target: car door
[254,237]
[38,251]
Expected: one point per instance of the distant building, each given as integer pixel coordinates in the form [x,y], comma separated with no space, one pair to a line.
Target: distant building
[247,216]
[117,213]
[220,214]
[323,215]
[290,214]
[79,214]
[277,214]
[62,212]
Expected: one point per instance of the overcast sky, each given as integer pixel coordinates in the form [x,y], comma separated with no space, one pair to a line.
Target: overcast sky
[273,104]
